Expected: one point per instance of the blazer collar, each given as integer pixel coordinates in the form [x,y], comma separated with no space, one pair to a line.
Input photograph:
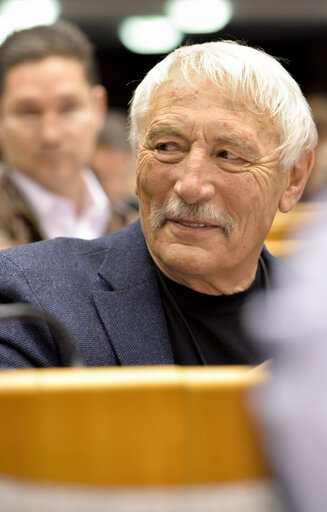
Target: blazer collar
[129,304]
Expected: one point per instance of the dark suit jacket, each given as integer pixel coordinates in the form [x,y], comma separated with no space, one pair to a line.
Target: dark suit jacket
[103,292]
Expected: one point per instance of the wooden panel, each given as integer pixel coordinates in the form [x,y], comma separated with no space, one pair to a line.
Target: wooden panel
[151,425]
[222,442]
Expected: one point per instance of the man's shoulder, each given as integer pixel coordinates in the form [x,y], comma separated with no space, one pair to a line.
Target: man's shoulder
[63,248]
[18,224]
[8,190]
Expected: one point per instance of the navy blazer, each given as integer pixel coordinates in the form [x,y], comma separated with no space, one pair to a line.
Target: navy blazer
[103,292]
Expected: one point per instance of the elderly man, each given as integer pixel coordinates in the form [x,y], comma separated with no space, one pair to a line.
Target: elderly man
[51,109]
[223,138]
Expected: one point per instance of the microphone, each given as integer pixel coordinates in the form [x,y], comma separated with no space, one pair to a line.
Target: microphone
[32,315]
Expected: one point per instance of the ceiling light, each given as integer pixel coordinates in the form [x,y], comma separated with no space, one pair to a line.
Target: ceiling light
[149,34]
[20,14]
[199,16]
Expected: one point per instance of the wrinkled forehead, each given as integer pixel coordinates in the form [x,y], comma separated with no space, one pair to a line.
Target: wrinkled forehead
[180,104]
[197,91]
[196,85]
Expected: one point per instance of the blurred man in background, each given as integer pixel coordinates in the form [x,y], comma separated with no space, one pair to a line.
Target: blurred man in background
[317,182]
[51,110]
[113,164]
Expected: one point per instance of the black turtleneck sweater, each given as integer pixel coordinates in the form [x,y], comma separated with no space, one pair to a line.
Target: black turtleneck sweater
[207,329]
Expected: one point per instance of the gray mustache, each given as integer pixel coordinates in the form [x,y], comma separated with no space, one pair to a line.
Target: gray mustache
[175,208]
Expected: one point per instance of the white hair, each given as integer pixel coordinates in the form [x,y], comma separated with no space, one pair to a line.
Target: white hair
[244,72]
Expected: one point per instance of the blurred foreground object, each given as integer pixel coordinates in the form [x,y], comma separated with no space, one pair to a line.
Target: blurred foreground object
[182,437]
[291,328]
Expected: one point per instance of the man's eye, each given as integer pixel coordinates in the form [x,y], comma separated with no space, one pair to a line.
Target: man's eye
[226,155]
[28,113]
[166,146]
[68,108]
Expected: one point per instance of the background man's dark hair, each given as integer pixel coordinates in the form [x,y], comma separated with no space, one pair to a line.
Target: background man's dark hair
[60,39]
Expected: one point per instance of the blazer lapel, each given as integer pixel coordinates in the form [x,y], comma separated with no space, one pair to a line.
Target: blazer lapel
[130,307]
[135,324]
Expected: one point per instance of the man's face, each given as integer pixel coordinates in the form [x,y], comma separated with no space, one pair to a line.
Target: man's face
[49,118]
[214,162]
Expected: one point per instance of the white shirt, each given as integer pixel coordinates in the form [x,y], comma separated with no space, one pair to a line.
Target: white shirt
[56,214]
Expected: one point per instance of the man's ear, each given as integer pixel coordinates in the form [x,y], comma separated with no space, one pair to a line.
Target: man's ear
[296,180]
[136,188]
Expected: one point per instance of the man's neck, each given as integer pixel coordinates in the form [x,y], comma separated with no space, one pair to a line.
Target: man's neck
[73,192]
[226,284]
[70,189]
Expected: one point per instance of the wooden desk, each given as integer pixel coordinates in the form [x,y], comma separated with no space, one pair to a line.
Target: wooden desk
[129,426]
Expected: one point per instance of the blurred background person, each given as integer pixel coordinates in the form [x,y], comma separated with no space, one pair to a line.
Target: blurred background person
[113,164]
[318,178]
[51,110]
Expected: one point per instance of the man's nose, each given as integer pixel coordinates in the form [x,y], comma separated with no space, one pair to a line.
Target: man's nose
[50,128]
[195,182]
